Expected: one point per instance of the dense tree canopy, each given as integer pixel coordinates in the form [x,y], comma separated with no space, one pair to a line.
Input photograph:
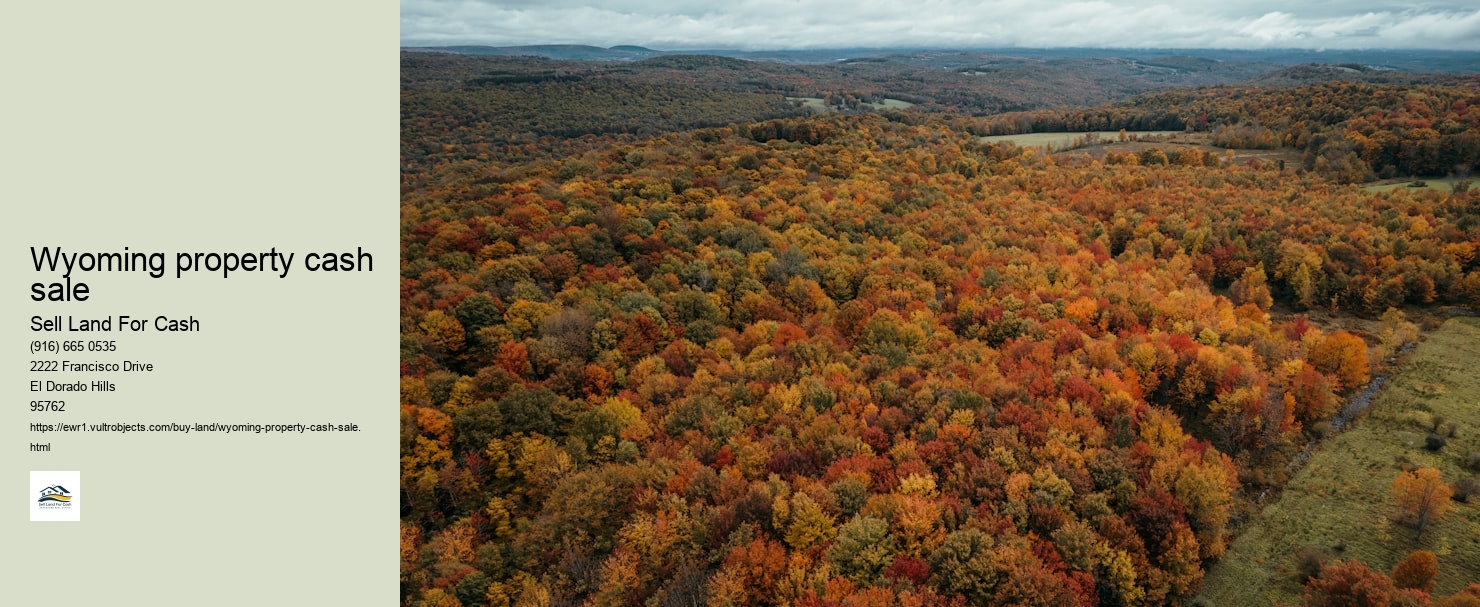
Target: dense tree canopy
[847,358]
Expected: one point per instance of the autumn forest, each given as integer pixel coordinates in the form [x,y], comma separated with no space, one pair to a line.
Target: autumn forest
[737,352]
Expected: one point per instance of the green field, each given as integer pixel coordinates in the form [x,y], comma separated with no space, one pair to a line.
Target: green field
[817,106]
[1059,141]
[1443,184]
[1340,501]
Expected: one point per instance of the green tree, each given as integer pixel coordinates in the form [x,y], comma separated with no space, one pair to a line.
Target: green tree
[477,311]
[963,565]
[888,335]
[863,549]
[531,411]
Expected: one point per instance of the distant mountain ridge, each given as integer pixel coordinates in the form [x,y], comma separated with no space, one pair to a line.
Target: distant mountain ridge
[582,52]
[1173,59]
[1311,73]
[552,51]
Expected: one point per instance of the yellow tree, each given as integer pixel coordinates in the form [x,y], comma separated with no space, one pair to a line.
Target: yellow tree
[810,525]
[437,597]
[1421,496]
[1252,288]
[1343,356]
[444,329]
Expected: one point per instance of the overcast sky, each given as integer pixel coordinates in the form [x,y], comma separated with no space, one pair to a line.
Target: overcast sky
[803,24]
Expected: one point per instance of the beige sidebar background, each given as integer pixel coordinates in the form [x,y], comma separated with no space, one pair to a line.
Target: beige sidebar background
[178,126]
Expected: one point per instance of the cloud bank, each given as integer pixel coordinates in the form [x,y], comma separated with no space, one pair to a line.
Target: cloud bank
[798,24]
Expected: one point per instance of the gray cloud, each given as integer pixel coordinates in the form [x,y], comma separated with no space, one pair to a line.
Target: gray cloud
[797,24]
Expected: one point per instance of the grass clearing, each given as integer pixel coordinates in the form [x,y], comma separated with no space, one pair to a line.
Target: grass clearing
[816,104]
[1340,501]
[897,104]
[819,106]
[1443,184]
[1109,141]
[1060,141]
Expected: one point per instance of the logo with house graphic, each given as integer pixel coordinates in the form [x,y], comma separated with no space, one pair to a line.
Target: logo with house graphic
[55,496]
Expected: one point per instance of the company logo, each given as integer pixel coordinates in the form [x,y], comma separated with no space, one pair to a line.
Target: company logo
[55,496]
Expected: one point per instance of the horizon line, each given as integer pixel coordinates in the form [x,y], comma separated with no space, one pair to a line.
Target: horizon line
[945,48]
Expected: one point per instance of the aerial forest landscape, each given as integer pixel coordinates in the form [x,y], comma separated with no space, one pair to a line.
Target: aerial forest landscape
[939,322]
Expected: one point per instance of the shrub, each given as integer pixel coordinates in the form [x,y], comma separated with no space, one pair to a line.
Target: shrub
[1466,488]
[1434,442]
[1308,563]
